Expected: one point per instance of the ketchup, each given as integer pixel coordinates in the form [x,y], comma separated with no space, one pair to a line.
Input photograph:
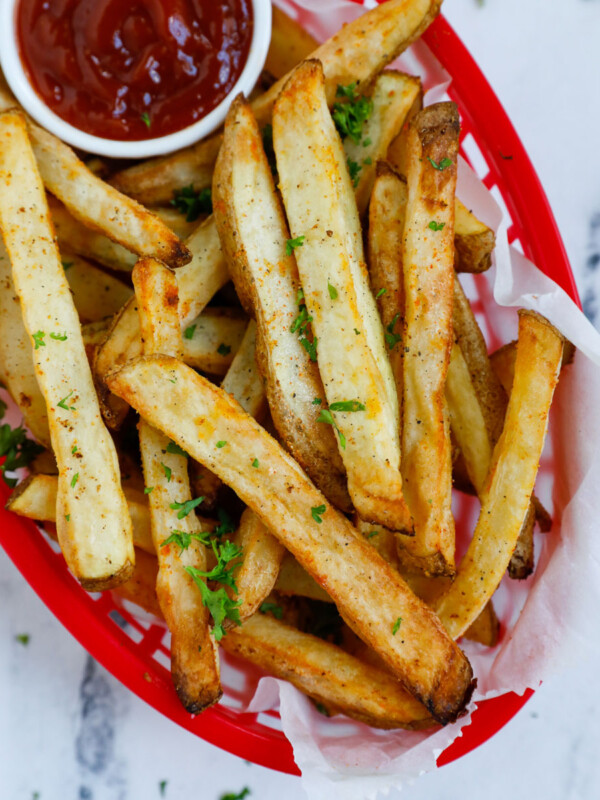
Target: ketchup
[133,69]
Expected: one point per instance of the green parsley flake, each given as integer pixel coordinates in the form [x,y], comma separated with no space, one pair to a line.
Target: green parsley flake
[183,539]
[59,337]
[175,450]
[148,489]
[372,534]
[239,796]
[145,117]
[217,601]
[168,472]
[321,708]
[368,161]
[445,162]
[333,292]
[161,787]
[74,449]
[317,401]
[380,293]
[23,638]
[354,169]
[223,349]
[255,463]
[366,142]
[436,226]
[347,405]
[18,451]
[327,417]
[63,403]
[67,264]
[316,513]
[392,338]
[272,608]
[38,338]
[349,117]
[310,347]
[183,509]
[192,203]
[220,444]
[74,480]
[189,332]
[356,331]
[292,244]
[68,517]
[396,626]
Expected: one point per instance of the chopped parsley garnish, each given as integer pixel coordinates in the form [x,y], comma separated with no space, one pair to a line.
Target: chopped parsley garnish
[354,169]
[192,203]
[317,401]
[221,444]
[67,264]
[38,338]
[380,293]
[321,708]
[217,601]
[368,161]
[183,539]
[227,525]
[310,347]
[396,626]
[356,331]
[347,405]
[23,638]
[148,489]
[316,513]
[392,338]
[68,517]
[272,608]
[302,320]
[366,142]
[327,417]
[189,332]
[255,463]
[161,787]
[74,480]
[333,292]
[168,472]
[300,324]
[372,534]
[63,403]
[74,449]
[175,450]
[145,117]
[183,509]
[292,244]
[349,117]
[18,451]
[239,796]
[436,226]
[223,349]
[59,337]
[445,162]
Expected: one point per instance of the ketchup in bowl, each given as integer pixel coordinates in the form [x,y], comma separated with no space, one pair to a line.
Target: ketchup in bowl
[133,69]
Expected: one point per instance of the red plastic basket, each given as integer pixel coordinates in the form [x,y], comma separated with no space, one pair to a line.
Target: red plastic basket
[137,652]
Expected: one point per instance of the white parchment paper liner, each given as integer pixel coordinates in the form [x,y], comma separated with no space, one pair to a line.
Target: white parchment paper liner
[551,618]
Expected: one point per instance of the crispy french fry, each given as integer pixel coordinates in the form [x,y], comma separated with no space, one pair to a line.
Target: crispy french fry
[198,416]
[95,293]
[290,44]
[35,498]
[212,340]
[474,241]
[176,221]
[93,526]
[254,234]
[383,541]
[242,380]
[428,265]
[75,237]
[262,556]
[141,587]
[326,673]
[356,373]
[512,475]
[17,370]
[194,659]
[394,94]
[355,54]
[295,580]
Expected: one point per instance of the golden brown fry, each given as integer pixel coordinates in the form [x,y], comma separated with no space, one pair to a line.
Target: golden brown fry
[194,659]
[17,371]
[394,94]
[352,358]
[512,474]
[428,265]
[473,240]
[290,44]
[294,580]
[199,416]
[74,236]
[262,555]
[254,234]
[95,293]
[243,381]
[176,221]
[141,587]
[326,673]
[383,541]
[93,526]
[356,53]
[211,341]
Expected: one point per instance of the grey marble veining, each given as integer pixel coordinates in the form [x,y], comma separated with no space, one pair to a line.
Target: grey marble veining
[70,731]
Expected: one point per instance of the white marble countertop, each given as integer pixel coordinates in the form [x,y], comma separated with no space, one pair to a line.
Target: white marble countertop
[69,730]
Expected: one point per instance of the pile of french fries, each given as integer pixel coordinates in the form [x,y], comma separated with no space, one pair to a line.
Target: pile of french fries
[287,492]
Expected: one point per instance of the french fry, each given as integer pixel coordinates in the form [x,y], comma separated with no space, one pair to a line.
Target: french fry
[337,680]
[428,265]
[394,94]
[212,340]
[194,659]
[355,54]
[17,370]
[254,234]
[261,560]
[512,475]
[93,525]
[242,380]
[141,587]
[295,580]
[95,293]
[356,373]
[176,221]
[474,241]
[290,44]
[76,237]
[35,498]
[198,416]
